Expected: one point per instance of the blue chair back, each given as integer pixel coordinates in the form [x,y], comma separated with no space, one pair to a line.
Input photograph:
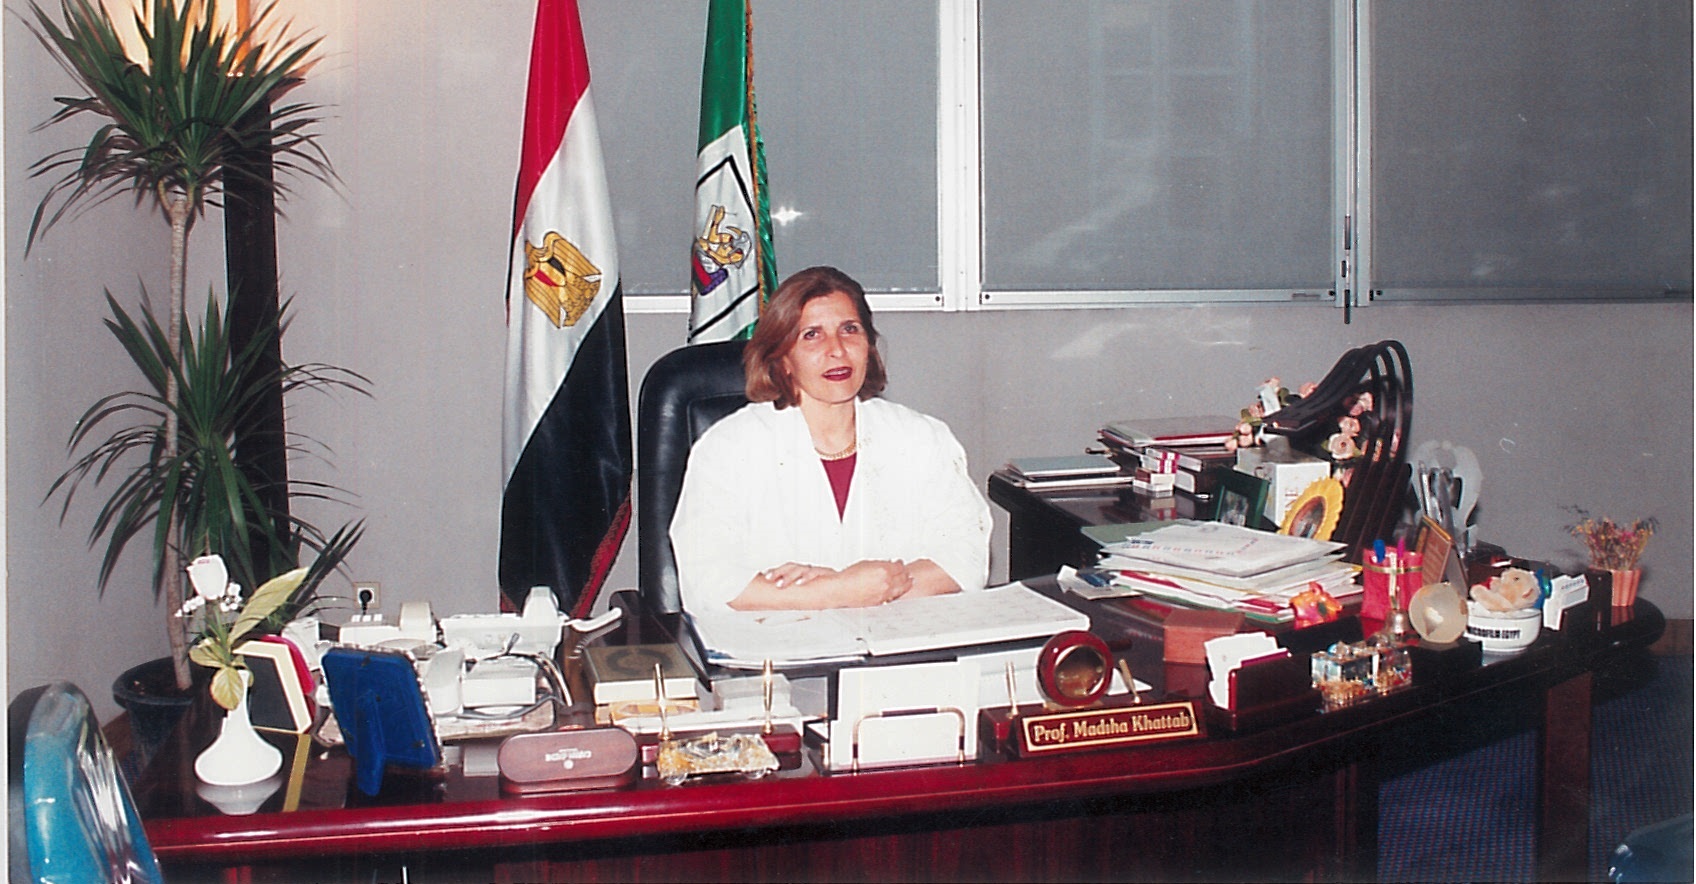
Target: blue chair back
[72,817]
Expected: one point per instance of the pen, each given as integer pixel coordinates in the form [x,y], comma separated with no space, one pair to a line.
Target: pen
[1130,683]
[765,691]
[659,700]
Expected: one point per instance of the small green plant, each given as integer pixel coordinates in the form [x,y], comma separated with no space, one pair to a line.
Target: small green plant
[216,598]
[215,505]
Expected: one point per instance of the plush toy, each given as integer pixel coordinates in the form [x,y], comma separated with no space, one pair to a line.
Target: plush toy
[1511,590]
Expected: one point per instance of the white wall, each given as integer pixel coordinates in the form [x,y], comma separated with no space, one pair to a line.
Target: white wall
[400,277]
[59,359]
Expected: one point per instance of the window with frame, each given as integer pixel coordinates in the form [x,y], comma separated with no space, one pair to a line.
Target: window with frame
[1147,149]
[1530,149]
[979,154]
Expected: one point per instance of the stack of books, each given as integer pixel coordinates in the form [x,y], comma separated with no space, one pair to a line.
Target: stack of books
[1184,432]
[1227,567]
[1066,471]
[1194,470]
[624,682]
[1172,454]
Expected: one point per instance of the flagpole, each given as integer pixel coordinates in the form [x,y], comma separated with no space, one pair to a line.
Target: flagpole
[732,268]
[566,447]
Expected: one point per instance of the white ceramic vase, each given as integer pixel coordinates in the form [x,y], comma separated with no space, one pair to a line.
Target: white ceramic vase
[240,800]
[239,756]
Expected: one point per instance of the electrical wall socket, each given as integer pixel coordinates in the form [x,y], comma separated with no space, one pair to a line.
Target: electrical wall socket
[367,596]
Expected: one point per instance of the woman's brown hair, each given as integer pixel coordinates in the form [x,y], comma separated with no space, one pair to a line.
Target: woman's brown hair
[780,322]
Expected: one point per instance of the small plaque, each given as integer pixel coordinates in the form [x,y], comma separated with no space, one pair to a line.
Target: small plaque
[1107,727]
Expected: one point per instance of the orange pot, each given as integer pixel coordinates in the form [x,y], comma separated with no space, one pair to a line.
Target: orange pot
[1624,585]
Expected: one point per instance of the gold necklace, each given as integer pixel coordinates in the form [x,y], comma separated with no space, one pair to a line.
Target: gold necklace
[853,444]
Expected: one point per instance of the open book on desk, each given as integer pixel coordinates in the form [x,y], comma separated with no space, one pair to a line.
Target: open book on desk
[746,639]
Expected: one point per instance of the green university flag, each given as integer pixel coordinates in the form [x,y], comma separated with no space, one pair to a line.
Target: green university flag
[732,271]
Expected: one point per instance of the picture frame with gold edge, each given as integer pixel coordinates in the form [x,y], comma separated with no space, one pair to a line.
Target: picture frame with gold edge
[1315,512]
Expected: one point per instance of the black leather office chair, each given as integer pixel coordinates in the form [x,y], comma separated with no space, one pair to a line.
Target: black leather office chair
[1377,490]
[686,391]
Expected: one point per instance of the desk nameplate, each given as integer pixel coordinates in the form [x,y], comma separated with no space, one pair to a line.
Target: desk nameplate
[1104,727]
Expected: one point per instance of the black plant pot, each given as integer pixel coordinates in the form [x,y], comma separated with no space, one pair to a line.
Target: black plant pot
[149,693]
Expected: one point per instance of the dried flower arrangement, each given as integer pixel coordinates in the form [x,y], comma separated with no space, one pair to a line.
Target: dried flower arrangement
[1613,546]
[1269,397]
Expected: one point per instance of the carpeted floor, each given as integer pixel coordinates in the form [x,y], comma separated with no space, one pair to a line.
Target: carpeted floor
[1470,818]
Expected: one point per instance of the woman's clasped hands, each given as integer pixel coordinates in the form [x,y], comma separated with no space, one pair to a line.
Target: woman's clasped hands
[862,584]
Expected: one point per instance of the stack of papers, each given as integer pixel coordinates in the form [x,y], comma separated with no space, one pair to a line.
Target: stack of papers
[1228,567]
[746,639]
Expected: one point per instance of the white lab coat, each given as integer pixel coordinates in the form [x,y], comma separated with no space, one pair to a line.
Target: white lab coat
[755,495]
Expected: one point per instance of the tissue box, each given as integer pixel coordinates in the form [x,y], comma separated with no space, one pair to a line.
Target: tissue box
[1287,474]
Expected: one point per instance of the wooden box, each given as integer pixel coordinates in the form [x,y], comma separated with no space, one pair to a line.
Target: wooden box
[1187,629]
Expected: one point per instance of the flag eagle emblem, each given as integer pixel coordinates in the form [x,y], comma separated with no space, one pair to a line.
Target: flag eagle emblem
[559,280]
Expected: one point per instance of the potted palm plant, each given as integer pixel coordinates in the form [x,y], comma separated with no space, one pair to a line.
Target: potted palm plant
[218,508]
[197,108]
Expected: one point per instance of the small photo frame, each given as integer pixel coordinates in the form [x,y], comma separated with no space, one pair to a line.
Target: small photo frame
[1242,499]
[1439,558]
[281,696]
[379,706]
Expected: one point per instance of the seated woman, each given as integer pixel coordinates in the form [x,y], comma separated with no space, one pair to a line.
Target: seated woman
[817,494]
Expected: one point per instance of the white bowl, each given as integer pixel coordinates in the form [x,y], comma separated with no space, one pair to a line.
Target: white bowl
[1502,631]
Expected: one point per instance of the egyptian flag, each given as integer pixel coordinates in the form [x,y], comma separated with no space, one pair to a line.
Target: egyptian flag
[566,441]
[732,271]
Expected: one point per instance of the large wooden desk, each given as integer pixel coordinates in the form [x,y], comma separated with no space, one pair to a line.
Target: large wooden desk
[1297,801]
[1042,527]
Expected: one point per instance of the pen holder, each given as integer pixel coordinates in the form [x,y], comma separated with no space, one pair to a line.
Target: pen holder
[1375,585]
[1410,580]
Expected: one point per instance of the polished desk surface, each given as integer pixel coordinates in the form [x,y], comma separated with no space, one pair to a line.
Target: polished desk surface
[445,810]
